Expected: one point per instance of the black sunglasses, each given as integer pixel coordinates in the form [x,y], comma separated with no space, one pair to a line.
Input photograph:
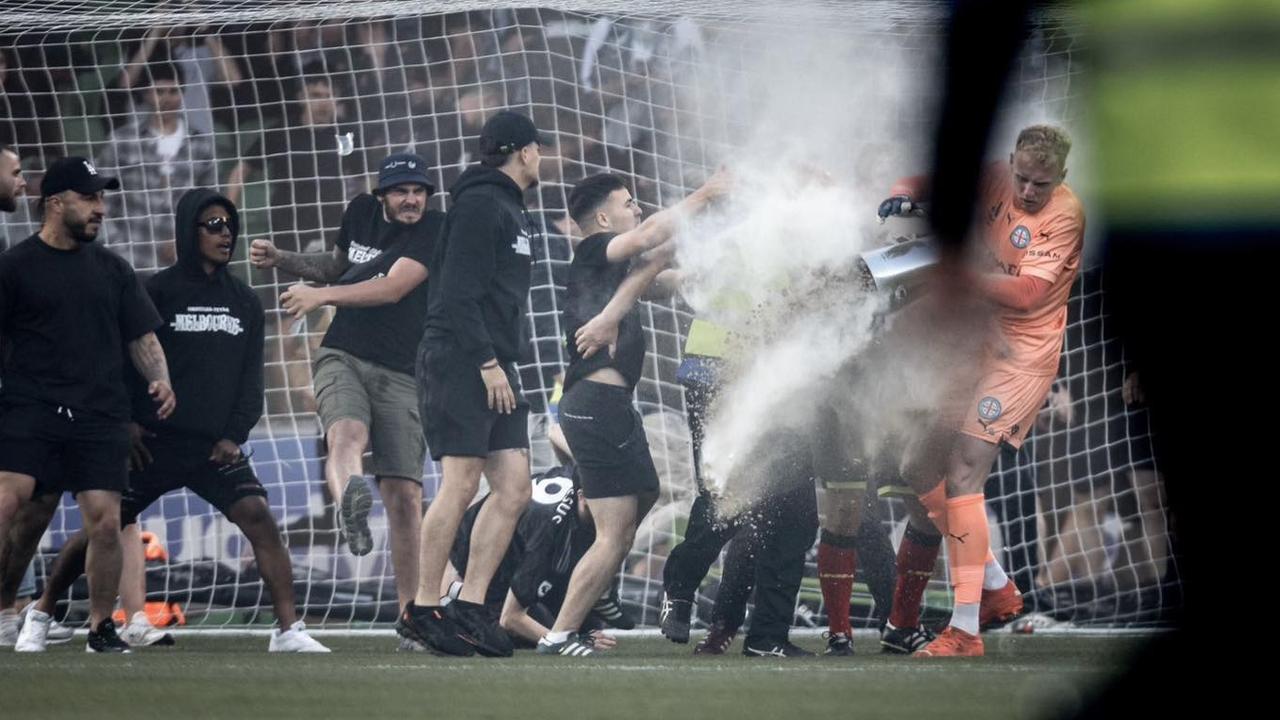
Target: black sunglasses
[215,225]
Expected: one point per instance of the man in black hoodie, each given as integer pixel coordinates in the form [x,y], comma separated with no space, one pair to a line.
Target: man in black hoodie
[212,336]
[473,415]
[363,374]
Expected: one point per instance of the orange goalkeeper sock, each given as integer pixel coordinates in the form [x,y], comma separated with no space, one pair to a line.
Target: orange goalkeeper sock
[968,541]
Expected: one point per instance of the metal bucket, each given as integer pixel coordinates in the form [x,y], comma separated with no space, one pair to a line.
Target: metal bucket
[899,270]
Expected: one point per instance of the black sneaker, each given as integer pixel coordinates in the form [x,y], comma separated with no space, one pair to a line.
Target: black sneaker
[717,641]
[763,647]
[609,608]
[904,641]
[673,620]
[429,626]
[105,639]
[479,629]
[579,646]
[838,644]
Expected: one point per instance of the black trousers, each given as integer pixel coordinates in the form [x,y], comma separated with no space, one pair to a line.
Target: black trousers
[773,536]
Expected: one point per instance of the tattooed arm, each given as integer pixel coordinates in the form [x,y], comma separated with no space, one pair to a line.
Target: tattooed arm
[324,267]
[148,358]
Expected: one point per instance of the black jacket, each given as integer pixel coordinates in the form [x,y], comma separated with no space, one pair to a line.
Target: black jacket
[212,339]
[479,290]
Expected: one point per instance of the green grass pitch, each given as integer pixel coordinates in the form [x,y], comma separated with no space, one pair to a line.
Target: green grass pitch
[650,678]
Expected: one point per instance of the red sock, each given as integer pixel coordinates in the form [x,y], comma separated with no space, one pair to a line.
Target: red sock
[917,556]
[837,559]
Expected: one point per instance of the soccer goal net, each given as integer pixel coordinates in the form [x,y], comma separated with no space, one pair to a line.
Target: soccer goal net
[287,107]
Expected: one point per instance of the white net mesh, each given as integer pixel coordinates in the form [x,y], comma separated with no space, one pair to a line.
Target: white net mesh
[287,107]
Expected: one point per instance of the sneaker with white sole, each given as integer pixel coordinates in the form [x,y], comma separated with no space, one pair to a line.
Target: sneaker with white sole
[295,640]
[353,516]
[59,633]
[34,636]
[579,646]
[904,641]
[141,633]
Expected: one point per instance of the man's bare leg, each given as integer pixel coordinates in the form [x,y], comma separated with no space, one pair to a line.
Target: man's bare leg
[19,545]
[616,519]
[101,512]
[402,498]
[346,440]
[510,492]
[460,477]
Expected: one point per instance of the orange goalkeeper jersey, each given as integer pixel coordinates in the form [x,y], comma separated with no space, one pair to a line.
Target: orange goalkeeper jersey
[1045,245]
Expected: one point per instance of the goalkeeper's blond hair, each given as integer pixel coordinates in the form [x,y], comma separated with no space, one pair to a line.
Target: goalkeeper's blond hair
[1046,144]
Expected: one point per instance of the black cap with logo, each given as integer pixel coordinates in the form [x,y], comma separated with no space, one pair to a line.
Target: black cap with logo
[75,173]
[403,168]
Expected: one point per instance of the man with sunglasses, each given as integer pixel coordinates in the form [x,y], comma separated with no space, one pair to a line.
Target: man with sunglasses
[213,338]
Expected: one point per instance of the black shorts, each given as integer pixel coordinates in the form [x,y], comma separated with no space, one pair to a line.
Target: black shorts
[64,450]
[456,419]
[606,435]
[178,463]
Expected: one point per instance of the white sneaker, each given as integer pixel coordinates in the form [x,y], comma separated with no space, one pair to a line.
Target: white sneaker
[141,633]
[58,633]
[10,626]
[35,632]
[296,640]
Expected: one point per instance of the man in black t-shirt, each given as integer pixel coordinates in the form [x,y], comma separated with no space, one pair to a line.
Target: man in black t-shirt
[67,308]
[617,261]
[363,373]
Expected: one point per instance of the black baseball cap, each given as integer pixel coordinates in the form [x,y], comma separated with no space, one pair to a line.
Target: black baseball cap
[508,131]
[401,168]
[75,173]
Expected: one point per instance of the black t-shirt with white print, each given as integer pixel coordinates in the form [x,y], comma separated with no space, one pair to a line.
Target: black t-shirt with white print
[384,334]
